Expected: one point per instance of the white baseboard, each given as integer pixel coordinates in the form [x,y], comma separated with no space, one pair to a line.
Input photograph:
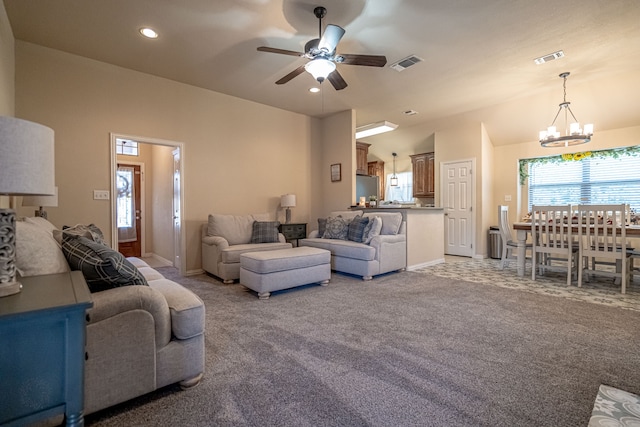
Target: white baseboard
[425,264]
[165,262]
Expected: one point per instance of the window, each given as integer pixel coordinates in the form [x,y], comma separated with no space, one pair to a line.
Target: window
[403,192]
[126,147]
[599,177]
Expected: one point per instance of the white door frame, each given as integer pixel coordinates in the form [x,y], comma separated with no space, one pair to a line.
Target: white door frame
[114,166]
[443,189]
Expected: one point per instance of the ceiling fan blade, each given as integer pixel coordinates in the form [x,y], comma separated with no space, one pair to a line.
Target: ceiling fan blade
[367,60]
[281,51]
[336,80]
[291,75]
[330,38]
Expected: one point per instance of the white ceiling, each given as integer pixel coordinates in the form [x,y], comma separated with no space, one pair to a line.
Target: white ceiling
[478,56]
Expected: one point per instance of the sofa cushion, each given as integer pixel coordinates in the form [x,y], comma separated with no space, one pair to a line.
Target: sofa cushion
[356,229]
[337,228]
[235,229]
[372,229]
[342,248]
[265,232]
[391,221]
[102,267]
[265,262]
[187,309]
[37,253]
[231,255]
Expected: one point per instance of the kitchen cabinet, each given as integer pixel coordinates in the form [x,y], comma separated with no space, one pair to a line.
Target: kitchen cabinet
[423,175]
[362,151]
[377,169]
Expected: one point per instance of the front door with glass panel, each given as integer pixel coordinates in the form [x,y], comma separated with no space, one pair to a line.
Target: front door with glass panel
[128,210]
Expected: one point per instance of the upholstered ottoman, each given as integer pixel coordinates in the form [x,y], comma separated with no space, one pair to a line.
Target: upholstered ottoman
[268,271]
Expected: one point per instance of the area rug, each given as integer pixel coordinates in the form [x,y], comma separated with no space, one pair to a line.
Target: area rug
[405,349]
[615,407]
[487,271]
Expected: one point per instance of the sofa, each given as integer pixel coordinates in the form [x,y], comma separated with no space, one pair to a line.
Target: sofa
[226,237]
[380,249]
[144,331]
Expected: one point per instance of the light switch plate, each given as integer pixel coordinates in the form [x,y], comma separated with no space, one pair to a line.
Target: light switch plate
[100,195]
[507,198]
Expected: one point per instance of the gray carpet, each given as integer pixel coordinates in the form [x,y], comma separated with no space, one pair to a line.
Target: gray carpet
[406,349]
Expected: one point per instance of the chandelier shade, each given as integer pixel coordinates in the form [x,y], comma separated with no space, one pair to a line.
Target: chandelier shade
[394,177]
[573,133]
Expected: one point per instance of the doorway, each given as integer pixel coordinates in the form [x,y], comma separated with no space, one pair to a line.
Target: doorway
[155,224]
[458,195]
[128,209]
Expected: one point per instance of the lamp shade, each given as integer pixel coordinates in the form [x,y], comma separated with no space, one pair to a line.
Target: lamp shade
[26,158]
[288,200]
[49,201]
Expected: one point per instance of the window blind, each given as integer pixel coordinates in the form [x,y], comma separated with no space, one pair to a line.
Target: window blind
[592,180]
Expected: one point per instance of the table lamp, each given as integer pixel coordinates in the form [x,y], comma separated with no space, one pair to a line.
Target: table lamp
[288,201]
[26,168]
[42,202]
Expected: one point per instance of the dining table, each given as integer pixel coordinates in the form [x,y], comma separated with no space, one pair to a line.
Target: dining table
[523,229]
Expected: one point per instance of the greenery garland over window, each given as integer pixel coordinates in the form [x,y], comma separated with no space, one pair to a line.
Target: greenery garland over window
[576,157]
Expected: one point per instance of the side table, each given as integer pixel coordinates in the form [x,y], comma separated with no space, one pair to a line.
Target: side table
[42,350]
[293,231]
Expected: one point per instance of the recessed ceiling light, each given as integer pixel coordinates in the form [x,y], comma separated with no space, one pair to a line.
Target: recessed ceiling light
[314,90]
[148,33]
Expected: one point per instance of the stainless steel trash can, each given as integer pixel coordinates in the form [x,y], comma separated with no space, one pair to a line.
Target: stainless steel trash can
[495,242]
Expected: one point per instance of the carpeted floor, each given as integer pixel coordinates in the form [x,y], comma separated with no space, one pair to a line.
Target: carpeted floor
[406,349]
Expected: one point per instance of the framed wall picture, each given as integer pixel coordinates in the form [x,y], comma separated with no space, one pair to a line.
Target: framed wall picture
[336,172]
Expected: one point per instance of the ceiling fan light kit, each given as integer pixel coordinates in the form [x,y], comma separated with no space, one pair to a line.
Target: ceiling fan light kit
[322,56]
[375,129]
[574,135]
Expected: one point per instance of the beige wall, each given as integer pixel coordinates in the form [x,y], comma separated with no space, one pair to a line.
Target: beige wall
[239,156]
[7,70]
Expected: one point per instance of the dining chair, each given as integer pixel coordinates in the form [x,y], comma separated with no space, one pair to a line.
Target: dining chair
[603,239]
[553,241]
[509,246]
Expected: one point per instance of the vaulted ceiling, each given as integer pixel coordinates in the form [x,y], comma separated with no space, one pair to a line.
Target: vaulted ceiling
[477,56]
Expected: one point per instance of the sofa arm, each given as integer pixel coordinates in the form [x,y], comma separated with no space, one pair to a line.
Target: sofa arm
[218,241]
[314,234]
[113,302]
[378,241]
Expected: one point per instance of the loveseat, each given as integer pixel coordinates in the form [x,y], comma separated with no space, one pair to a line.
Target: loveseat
[139,338]
[226,237]
[367,252]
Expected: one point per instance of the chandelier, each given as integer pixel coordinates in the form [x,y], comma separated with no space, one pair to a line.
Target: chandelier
[574,135]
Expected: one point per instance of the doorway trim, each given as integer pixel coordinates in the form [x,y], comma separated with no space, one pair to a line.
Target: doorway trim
[114,166]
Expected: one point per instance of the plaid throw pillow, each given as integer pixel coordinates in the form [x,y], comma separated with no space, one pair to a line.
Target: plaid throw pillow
[265,232]
[102,267]
[356,229]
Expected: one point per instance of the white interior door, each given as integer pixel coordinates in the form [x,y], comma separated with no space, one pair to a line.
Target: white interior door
[458,185]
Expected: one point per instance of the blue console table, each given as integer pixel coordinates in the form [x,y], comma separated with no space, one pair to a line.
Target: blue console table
[42,350]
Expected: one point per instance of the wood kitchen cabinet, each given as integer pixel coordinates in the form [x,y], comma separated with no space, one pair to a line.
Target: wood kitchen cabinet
[423,175]
[362,151]
[377,169]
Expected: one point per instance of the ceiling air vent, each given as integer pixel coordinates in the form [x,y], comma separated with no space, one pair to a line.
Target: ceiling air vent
[406,63]
[550,57]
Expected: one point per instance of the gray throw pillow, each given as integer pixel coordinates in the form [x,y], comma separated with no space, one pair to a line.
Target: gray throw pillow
[265,232]
[356,229]
[322,226]
[372,229]
[337,228]
[102,267]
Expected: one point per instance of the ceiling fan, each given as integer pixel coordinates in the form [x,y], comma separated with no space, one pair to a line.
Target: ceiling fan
[322,55]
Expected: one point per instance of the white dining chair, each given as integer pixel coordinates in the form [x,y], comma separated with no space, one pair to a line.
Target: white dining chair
[553,241]
[509,246]
[603,239]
